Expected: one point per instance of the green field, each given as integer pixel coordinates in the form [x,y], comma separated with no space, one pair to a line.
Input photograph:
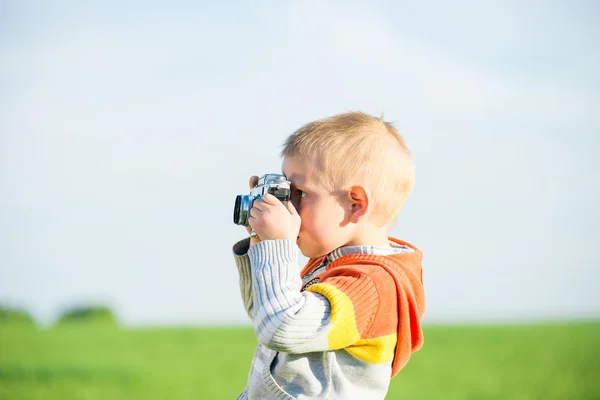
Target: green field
[95,361]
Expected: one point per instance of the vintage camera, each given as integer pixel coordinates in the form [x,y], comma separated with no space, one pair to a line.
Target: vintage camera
[275,184]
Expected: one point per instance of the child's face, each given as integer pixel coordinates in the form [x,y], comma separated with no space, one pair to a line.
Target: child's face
[323,216]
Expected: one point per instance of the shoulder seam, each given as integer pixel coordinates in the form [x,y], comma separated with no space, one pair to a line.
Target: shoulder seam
[374,313]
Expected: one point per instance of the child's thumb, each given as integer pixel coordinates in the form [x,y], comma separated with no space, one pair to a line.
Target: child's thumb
[291,208]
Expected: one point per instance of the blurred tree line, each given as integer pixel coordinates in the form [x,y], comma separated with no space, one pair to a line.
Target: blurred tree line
[72,314]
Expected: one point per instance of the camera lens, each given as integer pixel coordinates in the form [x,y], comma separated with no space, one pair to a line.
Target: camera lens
[236,209]
[241,210]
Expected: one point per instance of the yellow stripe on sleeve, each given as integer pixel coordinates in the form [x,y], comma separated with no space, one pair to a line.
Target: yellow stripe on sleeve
[344,331]
[376,351]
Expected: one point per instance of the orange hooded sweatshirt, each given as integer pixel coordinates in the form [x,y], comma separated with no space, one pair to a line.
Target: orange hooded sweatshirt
[340,328]
[396,283]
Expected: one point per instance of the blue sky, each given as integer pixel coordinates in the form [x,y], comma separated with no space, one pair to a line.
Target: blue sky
[127,131]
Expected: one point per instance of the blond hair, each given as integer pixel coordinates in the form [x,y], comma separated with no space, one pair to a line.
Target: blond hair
[358,149]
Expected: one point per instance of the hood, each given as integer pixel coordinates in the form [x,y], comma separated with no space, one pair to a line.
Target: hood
[407,272]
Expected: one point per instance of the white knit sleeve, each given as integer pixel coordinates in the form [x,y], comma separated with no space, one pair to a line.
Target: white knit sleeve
[286,319]
[240,251]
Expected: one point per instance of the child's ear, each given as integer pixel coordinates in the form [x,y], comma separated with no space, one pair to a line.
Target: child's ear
[359,202]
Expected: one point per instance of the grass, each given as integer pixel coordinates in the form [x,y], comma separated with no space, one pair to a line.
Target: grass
[96,361]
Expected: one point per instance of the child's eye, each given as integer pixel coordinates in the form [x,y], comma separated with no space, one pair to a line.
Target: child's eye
[301,194]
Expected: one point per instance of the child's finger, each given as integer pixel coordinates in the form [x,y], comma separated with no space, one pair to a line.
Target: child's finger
[253,181]
[270,199]
[259,204]
[291,208]
[255,212]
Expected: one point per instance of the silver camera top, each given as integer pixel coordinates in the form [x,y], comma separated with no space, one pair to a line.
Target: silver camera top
[269,181]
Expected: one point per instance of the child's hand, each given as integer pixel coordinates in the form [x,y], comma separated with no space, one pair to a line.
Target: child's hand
[253,239]
[272,220]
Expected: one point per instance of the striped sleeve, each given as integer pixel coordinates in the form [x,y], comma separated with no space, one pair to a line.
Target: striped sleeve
[242,261]
[327,316]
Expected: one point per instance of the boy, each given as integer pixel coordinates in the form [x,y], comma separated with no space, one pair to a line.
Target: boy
[346,323]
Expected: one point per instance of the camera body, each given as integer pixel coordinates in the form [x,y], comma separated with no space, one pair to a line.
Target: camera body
[275,184]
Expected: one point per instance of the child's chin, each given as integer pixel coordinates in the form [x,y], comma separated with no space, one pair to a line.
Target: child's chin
[307,252]
[303,249]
